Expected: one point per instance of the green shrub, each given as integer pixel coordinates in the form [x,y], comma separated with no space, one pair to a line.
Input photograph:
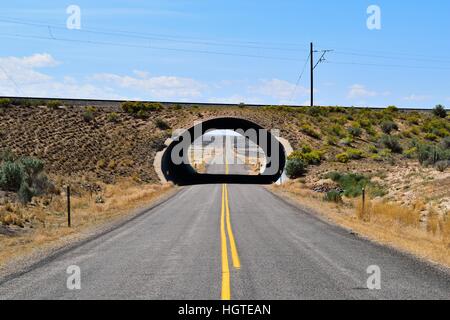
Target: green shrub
[333,196]
[113,117]
[413,120]
[53,104]
[11,176]
[346,141]
[431,137]
[161,124]
[445,143]
[309,130]
[88,116]
[338,131]
[307,155]
[391,109]
[442,165]
[351,183]
[342,158]
[355,131]
[32,166]
[25,193]
[429,154]
[411,153]
[5,102]
[388,126]
[392,143]
[7,156]
[354,154]
[295,168]
[139,108]
[439,111]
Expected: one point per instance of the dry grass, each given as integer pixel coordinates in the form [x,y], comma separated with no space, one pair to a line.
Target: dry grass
[382,222]
[49,223]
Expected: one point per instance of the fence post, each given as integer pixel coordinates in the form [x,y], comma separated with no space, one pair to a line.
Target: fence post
[68,206]
[363,203]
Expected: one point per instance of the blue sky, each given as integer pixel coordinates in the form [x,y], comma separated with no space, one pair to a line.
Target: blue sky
[228,51]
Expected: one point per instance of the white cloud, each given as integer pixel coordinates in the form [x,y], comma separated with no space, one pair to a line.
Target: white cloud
[278,89]
[417,98]
[22,76]
[360,91]
[158,87]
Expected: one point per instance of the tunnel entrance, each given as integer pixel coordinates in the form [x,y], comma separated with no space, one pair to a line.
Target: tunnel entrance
[179,166]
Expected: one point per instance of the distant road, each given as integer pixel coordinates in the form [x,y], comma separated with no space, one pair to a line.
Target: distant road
[235,241]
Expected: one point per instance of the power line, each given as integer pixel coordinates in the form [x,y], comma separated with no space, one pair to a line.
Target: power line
[19,91]
[299,78]
[168,38]
[15,35]
[387,65]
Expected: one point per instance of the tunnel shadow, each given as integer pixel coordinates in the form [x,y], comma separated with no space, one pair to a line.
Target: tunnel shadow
[184,174]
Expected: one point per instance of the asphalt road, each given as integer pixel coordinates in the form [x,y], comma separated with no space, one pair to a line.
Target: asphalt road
[182,250]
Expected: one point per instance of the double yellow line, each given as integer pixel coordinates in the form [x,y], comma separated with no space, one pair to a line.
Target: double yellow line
[225,221]
[225,227]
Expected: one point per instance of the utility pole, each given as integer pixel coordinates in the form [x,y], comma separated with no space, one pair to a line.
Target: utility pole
[311,54]
[313,66]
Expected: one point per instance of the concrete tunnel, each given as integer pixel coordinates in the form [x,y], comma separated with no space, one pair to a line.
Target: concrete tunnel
[184,174]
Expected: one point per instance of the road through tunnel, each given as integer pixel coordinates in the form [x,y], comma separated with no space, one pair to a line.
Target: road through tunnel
[176,163]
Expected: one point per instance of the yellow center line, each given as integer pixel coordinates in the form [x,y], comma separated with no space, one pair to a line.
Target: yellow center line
[226,295]
[234,252]
[225,219]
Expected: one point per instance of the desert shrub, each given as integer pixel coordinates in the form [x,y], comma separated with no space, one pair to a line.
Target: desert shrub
[435,125]
[32,166]
[355,131]
[11,176]
[88,116]
[307,155]
[410,153]
[53,104]
[25,193]
[331,141]
[113,117]
[333,196]
[316,111]
[445,143]
[391,109]
[388,126]
[338,131]
[431,137]
[392,143]
[351,183]
[442,165]
[413,120]
[439,111]
[365,123]
[5,102]
[429,154]
[441,132]
[354,154]
[295,168]
[178,107]
[373,149]
[346,141]
[161,124]
[142,114]
[342,157]
[309,130]
[7,156]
